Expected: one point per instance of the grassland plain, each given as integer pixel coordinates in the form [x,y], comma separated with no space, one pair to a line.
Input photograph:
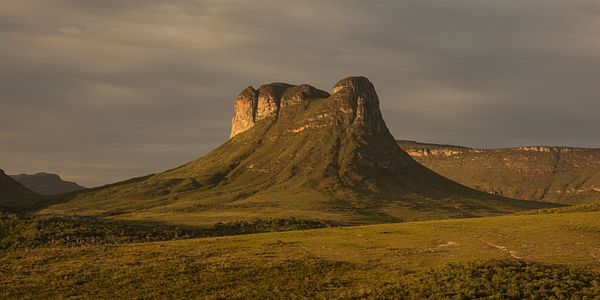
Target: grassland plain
[516,256]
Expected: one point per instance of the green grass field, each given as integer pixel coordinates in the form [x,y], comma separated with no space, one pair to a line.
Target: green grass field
[538,255]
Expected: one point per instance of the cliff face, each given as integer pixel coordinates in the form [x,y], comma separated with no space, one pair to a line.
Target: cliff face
[553,174]
[297,151]
[253,105]
[356,97]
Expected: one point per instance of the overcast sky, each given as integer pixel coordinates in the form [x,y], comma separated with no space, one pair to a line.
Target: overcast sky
[100,91]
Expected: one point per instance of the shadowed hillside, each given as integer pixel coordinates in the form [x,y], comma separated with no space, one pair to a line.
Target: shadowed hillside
[14,196]
[296,151]
[553,174]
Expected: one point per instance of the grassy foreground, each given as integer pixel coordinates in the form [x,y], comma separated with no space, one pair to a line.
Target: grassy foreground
[510,257]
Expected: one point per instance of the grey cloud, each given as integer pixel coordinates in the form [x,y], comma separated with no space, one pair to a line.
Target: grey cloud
[100,91]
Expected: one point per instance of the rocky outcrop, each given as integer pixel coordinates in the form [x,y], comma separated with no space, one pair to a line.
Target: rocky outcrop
[244,111]
[253,105]
[357,98]
[427,152]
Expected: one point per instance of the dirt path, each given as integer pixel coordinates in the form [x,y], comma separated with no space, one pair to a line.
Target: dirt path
[503,248]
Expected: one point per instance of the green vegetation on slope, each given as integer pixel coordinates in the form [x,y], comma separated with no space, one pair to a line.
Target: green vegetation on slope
[553,174]
[328,160]
[557,255]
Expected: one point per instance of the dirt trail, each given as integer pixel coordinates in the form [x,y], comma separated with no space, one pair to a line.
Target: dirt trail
[503,248]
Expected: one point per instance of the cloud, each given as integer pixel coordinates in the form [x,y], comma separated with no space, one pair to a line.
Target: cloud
[106,90]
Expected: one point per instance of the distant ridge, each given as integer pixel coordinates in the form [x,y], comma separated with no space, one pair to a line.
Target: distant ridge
[47,183]
[566,175]
[297,151]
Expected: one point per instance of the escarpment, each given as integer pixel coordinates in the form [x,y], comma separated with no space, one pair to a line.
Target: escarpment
[554,174]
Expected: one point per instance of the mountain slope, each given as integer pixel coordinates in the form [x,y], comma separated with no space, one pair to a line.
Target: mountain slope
[296,151]
[46,183]
[553,174]
[14,196]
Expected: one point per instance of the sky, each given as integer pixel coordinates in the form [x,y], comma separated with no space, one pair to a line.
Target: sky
[102,91]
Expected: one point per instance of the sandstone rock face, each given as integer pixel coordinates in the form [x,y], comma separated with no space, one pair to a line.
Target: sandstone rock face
[357,98]
[253,105]
[244,111]
[269,99]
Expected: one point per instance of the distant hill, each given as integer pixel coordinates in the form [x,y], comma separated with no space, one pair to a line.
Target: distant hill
[47,183]
[554,174]
[14,196]
[297,151]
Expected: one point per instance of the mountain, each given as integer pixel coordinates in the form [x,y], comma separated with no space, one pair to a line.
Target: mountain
[46,183]
[554,174]
[297,151]
[14,196]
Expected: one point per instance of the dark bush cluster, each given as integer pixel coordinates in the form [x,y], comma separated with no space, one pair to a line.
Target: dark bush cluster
[581,208]
[496,279]
[27,232]
[265,225]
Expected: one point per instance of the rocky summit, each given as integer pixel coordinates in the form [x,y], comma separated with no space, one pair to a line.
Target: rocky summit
[253,105]
[297,151]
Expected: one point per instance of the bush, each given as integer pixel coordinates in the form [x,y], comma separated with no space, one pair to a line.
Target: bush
[496,279]
[38,231]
